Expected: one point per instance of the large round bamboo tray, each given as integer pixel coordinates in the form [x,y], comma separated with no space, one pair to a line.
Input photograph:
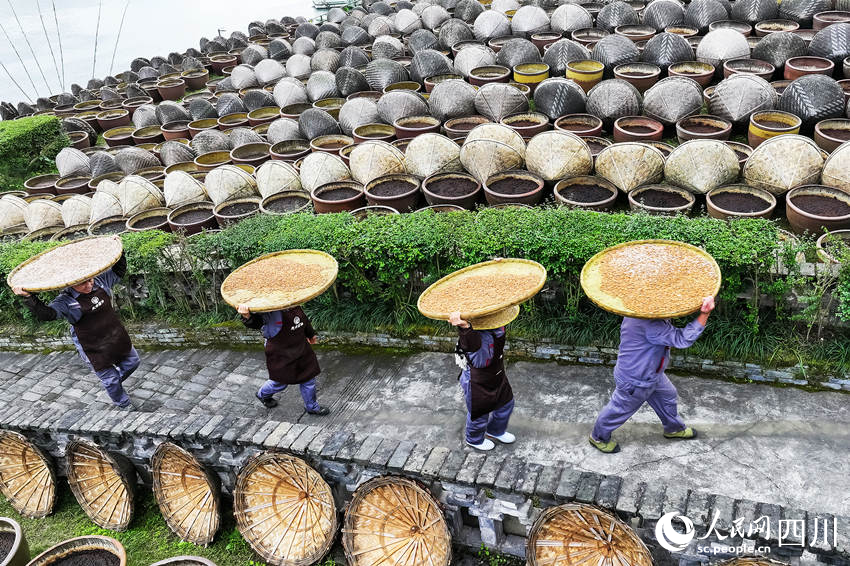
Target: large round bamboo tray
[102,483]
[264,293]
[580,534]
[391,520]
[27,477]
[507,290]
[70,547]
[187,494]
[649,280]
[63,264]
[284,509]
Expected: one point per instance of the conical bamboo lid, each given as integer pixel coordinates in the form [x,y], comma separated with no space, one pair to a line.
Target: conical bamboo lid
[187,494]
[103,484]
[284,509]
[27,478]
[575,534]
[392,521]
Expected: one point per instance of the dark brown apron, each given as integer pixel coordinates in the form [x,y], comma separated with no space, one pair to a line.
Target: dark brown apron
[100,332]
[488,387]
[289,357]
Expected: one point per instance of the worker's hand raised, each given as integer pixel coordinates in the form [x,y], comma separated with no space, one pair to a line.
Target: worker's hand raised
[707,305]
[20,292]
[456,320]
[244,310]
[313,340]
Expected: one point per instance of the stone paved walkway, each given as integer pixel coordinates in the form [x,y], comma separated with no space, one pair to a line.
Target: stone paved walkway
[764,443]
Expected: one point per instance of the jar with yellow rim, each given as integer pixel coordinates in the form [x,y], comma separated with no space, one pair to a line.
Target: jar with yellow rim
[586,72]
[770,123]
[531,74]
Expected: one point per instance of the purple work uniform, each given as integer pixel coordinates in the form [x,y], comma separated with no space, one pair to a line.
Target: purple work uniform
[96,331]
[489,397]
[289,357]
[639,374]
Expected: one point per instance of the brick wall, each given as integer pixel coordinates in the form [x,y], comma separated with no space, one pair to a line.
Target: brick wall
[487,498]
[155,335]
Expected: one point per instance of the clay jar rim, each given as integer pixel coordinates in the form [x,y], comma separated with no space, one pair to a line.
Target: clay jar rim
[684,31]
[539,118]
[400,123]
[837,193]
[620,71]
[767,68]
[361,193]
[176,126]
[158,212]
[714,121]
[827,69]
[597,123]
[701,64]
[640,31]
[303,145]
[756,116]
[318,143]
[743,28]
[669,188]
[844,17]
[223,155]
[503,72]
[824,255]
[113,114]
[365,130]
[235,153]
[837,121]
[623,122]
[761,193]
[788,25]
[190,207]
[136,101]
[244,200]
[447,175]
[587,179]
[581,66]
[516,173]
[410,179]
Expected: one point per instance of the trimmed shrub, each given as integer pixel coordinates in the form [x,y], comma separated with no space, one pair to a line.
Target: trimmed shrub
[28,147]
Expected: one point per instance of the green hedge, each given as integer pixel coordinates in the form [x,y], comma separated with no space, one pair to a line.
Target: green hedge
[386,261]
[28,147]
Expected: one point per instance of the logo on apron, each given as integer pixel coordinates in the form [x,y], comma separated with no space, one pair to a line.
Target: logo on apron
[96,303]
[296,323]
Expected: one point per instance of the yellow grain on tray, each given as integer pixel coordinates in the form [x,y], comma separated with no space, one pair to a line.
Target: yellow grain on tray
[67,264]
[272,278]
[657,278]
[479,292]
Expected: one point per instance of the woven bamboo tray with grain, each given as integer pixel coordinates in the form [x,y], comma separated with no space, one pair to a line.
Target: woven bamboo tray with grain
[280,280]
[187,494]
[284,509]
[103,484]
[27,477]
[67,264]
[394,522]
[483,288]
[651,279]
[580,534]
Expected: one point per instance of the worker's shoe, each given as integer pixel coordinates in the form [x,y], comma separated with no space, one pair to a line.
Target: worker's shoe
[485,445]
[610,447]
[504,438]
[322,411]
[268,402]
[687,433]
[129,407]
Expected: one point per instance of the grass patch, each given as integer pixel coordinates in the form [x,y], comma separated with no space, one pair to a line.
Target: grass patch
[148,540]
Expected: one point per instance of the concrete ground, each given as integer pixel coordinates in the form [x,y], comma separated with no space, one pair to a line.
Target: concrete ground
[777,445]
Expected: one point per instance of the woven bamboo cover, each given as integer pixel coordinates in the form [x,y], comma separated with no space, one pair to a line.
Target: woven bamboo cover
[66,265]
[652,279]
[284,509]
[483,289]
[102,483]
[575,534]
[187,494]
[751,561]
[392,521]
[271,282]
[27,478]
